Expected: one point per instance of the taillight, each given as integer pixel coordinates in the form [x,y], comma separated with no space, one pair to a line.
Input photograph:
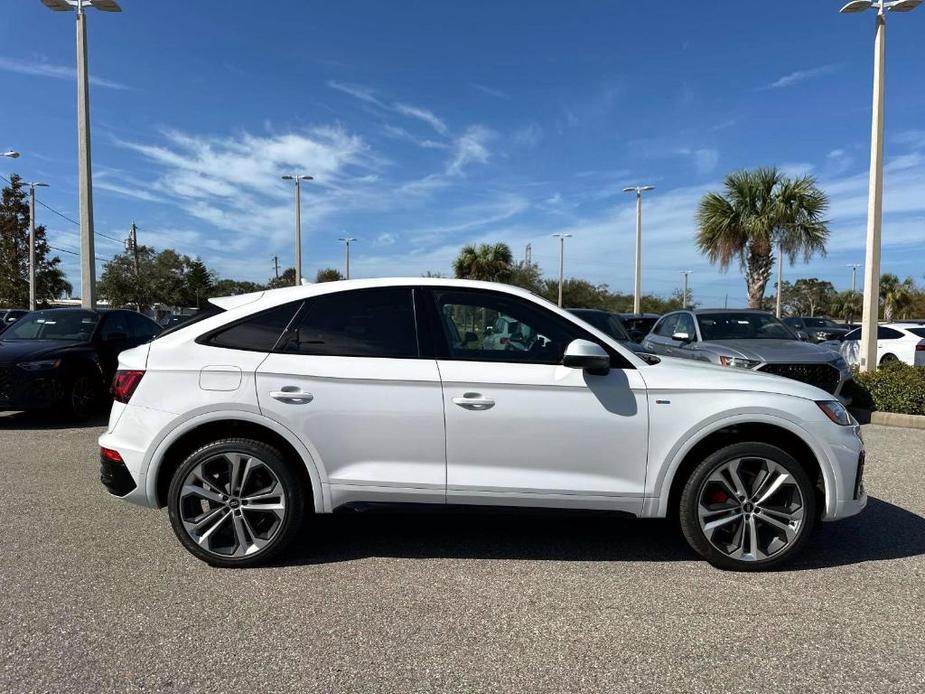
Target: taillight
[920,348]
[124,384]
[111,455]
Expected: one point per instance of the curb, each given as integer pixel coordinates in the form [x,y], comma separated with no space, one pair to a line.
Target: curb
[893,419]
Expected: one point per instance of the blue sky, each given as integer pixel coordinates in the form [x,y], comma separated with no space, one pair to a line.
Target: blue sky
[431,124]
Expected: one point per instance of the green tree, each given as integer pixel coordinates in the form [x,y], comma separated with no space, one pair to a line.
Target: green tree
[807,297]
[286,279]
[50,282]
[488,262]
[226,287]
[846,306]
[527,276]
[199,281]
[897,297]
[150,277]
[758,212]
[328,274]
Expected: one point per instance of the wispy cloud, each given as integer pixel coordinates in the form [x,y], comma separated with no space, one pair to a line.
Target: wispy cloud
[802,76]
[470,148]
[41,68]
[368,95]
[528,136]
[491,91]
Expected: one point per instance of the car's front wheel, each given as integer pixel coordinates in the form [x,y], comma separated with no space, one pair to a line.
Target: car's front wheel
[236,502]
[747,507]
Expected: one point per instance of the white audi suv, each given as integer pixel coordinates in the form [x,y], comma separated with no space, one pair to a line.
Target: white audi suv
[284,403]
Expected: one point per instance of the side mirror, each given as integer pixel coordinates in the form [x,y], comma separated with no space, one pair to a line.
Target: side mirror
[587,355]
[681,337]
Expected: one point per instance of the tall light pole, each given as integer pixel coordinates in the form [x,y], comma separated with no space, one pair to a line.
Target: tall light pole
[87,252]
[346,240]
[780,277]
[32,187]
[561,238]
[637,289]
[875,193]
[854,277]
[298,178]
[686,274]
[12,154]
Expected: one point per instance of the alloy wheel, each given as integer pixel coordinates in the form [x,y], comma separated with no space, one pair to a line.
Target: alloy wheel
[232,505]
[750,508]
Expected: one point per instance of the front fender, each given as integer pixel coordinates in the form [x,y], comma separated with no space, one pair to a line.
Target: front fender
[656,504]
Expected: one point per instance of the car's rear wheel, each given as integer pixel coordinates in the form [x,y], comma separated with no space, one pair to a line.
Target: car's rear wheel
[748,507]
[81,397]
[236,503]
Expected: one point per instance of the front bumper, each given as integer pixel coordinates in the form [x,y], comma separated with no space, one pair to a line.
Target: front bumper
[845,493]
[22,390]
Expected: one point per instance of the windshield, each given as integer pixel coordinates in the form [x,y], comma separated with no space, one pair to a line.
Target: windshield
[743,326]
[605,322]
[66,325]
[819,323]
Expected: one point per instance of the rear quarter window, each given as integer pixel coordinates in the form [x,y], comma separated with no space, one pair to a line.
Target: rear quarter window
[257,333]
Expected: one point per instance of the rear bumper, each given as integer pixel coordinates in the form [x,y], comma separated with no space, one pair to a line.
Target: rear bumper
[116,477]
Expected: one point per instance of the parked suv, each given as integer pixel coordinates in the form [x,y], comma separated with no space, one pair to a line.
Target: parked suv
[748,339]
[817,329]
[314,398]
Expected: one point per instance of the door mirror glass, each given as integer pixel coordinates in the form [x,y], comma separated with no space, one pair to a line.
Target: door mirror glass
[587,355]
[681,336]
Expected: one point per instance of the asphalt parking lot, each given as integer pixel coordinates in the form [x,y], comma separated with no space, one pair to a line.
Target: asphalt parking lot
[96,595]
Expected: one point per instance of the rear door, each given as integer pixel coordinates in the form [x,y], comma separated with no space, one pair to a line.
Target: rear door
[349,379]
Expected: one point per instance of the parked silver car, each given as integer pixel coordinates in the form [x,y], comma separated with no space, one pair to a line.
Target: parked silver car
[747,339]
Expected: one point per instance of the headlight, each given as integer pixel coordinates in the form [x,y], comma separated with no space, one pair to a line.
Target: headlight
[41,365]
[739,362]
[835,411]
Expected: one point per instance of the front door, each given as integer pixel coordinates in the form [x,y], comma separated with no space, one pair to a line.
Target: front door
[521,428]
[348,379]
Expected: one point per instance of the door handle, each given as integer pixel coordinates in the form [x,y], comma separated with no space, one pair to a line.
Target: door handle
[474,401]
[291,394]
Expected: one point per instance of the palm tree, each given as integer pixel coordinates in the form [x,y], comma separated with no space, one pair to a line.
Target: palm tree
[488,262]
[896,296]
[760,211]
[846,305]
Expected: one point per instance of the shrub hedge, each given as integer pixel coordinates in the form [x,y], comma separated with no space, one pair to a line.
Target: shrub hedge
[894,387]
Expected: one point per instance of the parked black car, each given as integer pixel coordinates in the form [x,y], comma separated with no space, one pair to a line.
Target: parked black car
[817,329]
[8,316]
[65,358]
[638,325]
[609,323]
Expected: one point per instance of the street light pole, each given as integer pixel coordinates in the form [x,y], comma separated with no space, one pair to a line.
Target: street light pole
[854,277]
[637,288]
[871,311]
[298,178]
[686,274]
[561,238]
[346,240]
[85,183]
[32,187]
[780,276]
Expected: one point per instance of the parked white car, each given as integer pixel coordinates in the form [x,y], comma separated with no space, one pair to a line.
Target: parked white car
[904,342]
[309,399]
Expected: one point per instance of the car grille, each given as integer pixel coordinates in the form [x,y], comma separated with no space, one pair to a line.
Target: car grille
[820,375]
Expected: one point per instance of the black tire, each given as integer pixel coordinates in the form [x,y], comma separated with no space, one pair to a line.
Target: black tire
[292,493]
[81,398]
[749,456]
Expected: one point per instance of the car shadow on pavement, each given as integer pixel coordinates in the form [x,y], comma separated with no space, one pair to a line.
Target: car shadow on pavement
[31,421]
[882,531]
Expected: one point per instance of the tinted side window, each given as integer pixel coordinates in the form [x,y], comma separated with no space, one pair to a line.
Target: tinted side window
[888,334]
[853,334]
[686,325]
[143,329]
[115,323]
[257,333]
[534,336]
[359,323]
[666,325]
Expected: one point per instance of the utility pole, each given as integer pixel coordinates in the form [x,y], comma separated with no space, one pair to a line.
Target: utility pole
[637,289]
[276,266]
[686,274]
[561,238]
[134,238]
[854,277]
[346,240]
[528,254]
[32,187]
